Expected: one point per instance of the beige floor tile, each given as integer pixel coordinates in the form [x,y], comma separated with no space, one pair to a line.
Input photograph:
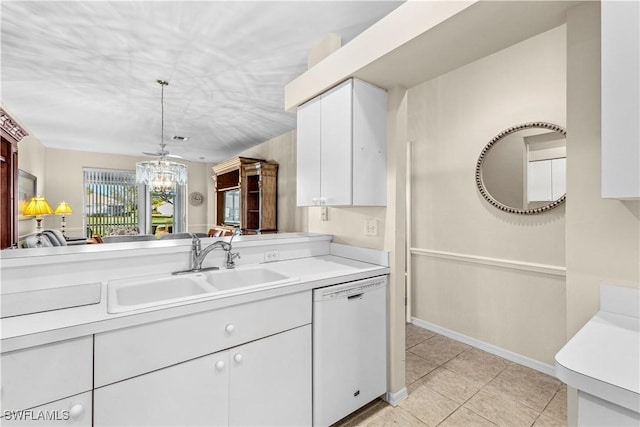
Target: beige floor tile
[388,416]
[415,335]
[519,372]
[450,384]
[547,421]
[442,374]
[439,349]
[429,406]
[526,385]
[478,365]
[557,408]
[501,409]
[465,418]
[416,367]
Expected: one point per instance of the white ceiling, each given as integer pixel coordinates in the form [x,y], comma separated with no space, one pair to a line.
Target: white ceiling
[82,75]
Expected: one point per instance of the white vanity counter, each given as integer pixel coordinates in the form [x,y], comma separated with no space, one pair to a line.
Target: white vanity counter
[312,259]
[602,360]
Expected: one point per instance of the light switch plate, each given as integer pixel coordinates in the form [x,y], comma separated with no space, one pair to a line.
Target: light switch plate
[324,214]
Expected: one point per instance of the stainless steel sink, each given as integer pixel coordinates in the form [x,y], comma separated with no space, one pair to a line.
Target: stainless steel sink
[150,291]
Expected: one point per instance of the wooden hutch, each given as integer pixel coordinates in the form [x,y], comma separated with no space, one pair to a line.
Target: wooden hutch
[246,195]
[12,133]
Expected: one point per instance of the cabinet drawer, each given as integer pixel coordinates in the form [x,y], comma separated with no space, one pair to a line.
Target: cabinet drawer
[133,351]
[72,411]
[47,373]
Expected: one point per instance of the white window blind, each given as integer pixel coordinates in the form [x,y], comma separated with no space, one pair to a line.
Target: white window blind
[111,199]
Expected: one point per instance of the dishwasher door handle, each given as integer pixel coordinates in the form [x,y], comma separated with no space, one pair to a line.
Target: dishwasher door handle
[356,296]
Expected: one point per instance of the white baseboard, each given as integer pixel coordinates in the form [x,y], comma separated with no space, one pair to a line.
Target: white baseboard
[394,399]
[489,348]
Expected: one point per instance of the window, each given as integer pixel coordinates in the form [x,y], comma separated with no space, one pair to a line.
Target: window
[113,199]
[110,200]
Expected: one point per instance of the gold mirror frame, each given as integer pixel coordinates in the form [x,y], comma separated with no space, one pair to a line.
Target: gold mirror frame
[480,183]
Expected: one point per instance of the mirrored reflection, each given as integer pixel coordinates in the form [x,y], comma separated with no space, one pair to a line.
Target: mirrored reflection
[525,170]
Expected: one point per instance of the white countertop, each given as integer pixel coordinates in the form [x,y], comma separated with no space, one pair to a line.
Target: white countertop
[314,272]
[603,359]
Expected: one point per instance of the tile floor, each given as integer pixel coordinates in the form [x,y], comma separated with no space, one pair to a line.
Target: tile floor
[453,384]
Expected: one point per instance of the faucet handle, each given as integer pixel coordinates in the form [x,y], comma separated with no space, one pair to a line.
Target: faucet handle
[230,257]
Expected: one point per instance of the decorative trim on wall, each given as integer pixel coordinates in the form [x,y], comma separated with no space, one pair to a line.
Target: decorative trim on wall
[489,348]
[553,270]
[10,128]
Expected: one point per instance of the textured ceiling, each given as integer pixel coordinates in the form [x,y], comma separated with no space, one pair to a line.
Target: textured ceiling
[82,75]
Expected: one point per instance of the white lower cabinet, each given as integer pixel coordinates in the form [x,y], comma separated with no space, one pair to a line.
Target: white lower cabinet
[270,381]
[72,411]
[187,394]
[264,382]
[44,377]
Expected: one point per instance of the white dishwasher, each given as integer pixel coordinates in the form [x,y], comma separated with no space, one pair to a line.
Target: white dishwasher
[349,347]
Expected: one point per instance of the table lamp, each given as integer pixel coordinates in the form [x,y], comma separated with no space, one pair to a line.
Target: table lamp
[63,209]
[38,207]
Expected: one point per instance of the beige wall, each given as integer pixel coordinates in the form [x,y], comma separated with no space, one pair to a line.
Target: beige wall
[346,224]
[282,150]
[395,235]
[451,118]
[64,181]
[603,236]
[31,158]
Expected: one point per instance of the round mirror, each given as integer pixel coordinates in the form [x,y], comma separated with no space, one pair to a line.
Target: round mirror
[522,170]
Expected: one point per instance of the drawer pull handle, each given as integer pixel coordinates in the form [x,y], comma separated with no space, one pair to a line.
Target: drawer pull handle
[230,328]
[76,411]
[356,296]
[237,358]
[219,365]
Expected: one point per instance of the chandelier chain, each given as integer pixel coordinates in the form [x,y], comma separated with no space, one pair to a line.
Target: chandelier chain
[162,83]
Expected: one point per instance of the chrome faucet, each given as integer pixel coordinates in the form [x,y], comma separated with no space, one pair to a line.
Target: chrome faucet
[198,254]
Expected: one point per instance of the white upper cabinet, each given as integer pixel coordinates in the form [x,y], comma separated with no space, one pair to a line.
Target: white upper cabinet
[620,99]
[342,147]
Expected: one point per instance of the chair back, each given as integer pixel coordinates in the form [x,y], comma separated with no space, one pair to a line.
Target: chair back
[56,237]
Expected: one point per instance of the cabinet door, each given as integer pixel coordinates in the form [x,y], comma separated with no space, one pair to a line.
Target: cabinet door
[270,380]
[72,411]
[620,102]
[308,154]
[369,145]
[188,394]
[336,152]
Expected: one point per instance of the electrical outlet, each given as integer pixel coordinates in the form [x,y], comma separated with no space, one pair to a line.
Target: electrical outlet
[270,256]
[324,214]
[371,227]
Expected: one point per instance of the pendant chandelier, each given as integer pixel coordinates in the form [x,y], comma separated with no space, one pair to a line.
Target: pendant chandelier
[162,176]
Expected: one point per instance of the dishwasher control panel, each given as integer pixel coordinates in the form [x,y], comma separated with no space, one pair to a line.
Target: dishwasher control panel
[347,289]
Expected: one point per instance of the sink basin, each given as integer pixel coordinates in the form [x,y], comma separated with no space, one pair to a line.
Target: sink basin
[150,291]
[224,280]
[132,294]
